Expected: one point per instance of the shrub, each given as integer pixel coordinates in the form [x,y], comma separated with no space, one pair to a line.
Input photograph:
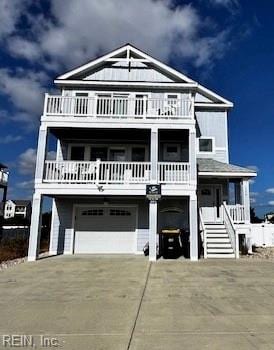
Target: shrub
[13,249]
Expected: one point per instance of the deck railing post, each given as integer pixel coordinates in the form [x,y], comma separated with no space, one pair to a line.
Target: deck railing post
[97,173]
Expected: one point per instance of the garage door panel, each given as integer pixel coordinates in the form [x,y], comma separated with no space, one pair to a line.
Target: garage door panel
[105,230]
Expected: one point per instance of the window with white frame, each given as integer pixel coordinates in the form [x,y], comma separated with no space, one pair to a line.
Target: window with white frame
[206,144]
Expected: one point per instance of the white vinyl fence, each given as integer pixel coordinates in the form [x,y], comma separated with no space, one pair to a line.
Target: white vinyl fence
[262,235]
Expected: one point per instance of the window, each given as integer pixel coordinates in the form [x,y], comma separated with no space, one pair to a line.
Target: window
[206,145]
[118,155]
[93,212]
[138,154]
[98,153]
[119,212]
[172,153]
[77,153]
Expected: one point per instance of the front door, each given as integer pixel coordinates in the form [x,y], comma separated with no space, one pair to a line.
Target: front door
[210,202]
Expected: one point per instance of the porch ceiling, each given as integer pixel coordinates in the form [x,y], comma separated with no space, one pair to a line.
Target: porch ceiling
[211,167]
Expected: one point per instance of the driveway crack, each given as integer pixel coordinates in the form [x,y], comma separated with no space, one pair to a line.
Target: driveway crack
[139,306]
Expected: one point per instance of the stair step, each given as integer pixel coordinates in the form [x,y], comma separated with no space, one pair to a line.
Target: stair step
[210,230]
[219,250]
[215,226]
[214,235]
[221,256]
[218,240]
[218,245]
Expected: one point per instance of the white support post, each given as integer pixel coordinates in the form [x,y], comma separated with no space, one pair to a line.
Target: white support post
[153,208]
[154,155]
[246,199]
[41,154]
[55,223]
[45,104]
[192,156]
[193,227]
[35,227]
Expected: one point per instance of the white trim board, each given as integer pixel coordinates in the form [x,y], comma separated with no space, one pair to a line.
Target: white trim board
[223,174]
[128,48]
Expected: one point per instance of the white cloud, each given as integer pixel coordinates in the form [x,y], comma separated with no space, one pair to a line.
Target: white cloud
[226,3]
[83,29]
[270,190]
[25,90]
[10,139]
[254,194]
[252,200]
[23,48]
[271,202]
[27,161]
[26,185]
[10,12]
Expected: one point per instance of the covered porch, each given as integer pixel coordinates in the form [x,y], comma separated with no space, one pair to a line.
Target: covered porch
[224,207]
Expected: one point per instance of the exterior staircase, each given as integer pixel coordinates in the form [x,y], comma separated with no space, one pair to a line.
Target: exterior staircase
[217,243]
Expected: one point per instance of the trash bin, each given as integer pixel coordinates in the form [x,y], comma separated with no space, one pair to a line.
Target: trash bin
[171,245]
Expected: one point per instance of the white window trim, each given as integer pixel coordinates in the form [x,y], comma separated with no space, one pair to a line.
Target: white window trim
[213,145]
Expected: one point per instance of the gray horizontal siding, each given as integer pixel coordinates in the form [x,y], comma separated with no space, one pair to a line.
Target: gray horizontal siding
[214,124]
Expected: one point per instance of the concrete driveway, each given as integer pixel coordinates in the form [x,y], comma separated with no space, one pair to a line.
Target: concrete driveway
[126,303]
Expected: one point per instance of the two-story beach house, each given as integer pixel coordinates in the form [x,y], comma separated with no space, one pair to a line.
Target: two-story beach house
[17,209]
[125,121]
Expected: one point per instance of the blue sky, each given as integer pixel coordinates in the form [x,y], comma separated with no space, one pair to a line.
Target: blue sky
[226,45]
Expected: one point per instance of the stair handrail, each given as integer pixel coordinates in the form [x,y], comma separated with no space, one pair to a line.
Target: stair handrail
[203,229]
[231,230]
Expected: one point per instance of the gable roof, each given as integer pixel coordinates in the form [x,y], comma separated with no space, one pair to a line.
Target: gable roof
[210,166]
[22,202]
[128,53]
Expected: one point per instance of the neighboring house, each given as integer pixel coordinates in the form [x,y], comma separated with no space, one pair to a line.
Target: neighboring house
[17,208]
[123,121]
[4,175]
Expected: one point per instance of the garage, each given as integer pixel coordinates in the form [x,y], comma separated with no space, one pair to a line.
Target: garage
[105,230]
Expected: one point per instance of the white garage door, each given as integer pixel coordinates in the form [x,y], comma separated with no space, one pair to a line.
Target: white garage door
[103,230]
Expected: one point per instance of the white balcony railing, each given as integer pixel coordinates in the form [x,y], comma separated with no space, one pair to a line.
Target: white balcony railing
[237,213]
[117,107]
[175,172]
[4,176]
[111,172]
[98,172]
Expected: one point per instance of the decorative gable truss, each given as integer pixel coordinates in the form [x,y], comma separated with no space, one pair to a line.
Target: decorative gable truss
[129,66]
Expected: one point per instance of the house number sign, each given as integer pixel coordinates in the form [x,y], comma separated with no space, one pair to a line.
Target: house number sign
[153,192]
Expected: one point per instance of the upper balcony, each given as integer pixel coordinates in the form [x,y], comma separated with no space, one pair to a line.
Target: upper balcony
[112,108]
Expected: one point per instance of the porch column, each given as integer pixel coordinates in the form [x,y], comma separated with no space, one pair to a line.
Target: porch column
[55,223]
[192,156]
[154,155]
[193,227]
[246,199]
[35,227]
[41,154]
[153,207]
